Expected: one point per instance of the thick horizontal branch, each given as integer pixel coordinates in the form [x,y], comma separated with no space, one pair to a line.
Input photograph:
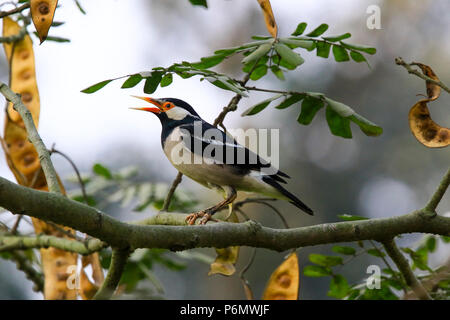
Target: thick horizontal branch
[8,243]
[56,208]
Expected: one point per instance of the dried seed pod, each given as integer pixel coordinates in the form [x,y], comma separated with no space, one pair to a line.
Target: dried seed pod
[284,281]
[42,13]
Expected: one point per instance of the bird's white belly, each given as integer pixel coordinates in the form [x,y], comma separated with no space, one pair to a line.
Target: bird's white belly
[212,174]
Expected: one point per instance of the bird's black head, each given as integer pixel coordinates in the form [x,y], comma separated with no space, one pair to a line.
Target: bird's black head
[169,109]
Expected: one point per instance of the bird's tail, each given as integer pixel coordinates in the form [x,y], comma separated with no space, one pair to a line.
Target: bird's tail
[291,198]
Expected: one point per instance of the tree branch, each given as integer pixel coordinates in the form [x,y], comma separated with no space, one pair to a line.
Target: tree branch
[23,264]
[403,266]
[118,261]
[437,196]
[61,210]
[44,155]
[399,61]
[16,37]
[8,243]
[15,10]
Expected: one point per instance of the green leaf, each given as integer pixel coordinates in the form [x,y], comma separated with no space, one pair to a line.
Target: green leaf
[80,7]
[318,31]
[57,24]
[344,250]
[166,80]
[208,62]
[340,54]
[368,127]
[277,72]
[101,170]
[132,81]
[260,106]
[288,55]
[290,101]
[357,57]
[376,253]
[430,243]
[325,261]
[339,287]
[259,72]
[316,271]
[368,50]
[261,51]
[152,82]
[224,84]
[445,239]
[249,66]
[337,38]
[57,39]
[295,43]
[348,217]
[341,109]
[202,3]
[300,29]
[96,86]
[323,49]
[310,106]
[338,125]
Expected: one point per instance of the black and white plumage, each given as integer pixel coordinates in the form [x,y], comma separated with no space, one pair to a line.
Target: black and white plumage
[212,158]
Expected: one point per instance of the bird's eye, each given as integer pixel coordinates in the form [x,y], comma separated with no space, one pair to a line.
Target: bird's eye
[167,106]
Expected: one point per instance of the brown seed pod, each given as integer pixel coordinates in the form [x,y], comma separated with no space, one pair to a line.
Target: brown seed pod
[42,13]
[284,281]
[428,132]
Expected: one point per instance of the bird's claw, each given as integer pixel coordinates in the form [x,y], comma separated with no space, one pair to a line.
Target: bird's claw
[205,217]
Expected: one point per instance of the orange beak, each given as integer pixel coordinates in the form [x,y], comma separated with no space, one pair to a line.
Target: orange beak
[155,102]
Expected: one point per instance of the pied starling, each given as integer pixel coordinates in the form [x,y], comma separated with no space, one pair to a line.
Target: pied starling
[212,158]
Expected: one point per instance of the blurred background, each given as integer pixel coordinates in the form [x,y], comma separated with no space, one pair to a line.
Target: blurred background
[374,177]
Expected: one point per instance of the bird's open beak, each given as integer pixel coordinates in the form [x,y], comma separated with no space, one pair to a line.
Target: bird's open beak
[155,102]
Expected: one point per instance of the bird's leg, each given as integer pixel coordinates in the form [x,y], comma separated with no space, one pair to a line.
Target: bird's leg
[205,215]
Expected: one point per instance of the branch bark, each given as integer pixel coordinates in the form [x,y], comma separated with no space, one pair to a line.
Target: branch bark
[8,243]
[57,208]
[44,155]
[118,261]
[399,61]
[403,266]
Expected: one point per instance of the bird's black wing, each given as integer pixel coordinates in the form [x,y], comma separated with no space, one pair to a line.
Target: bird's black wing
[215,145]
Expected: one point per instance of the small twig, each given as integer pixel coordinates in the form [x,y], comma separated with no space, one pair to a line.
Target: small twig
[245,283]
[403,266]
[399,61]
[15,10]
[388,265]
[33,135]
[173,187]
[16,224]
[16,37]
[118,261]
[11,243]
[439,193]
[23,264]
[77,172]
